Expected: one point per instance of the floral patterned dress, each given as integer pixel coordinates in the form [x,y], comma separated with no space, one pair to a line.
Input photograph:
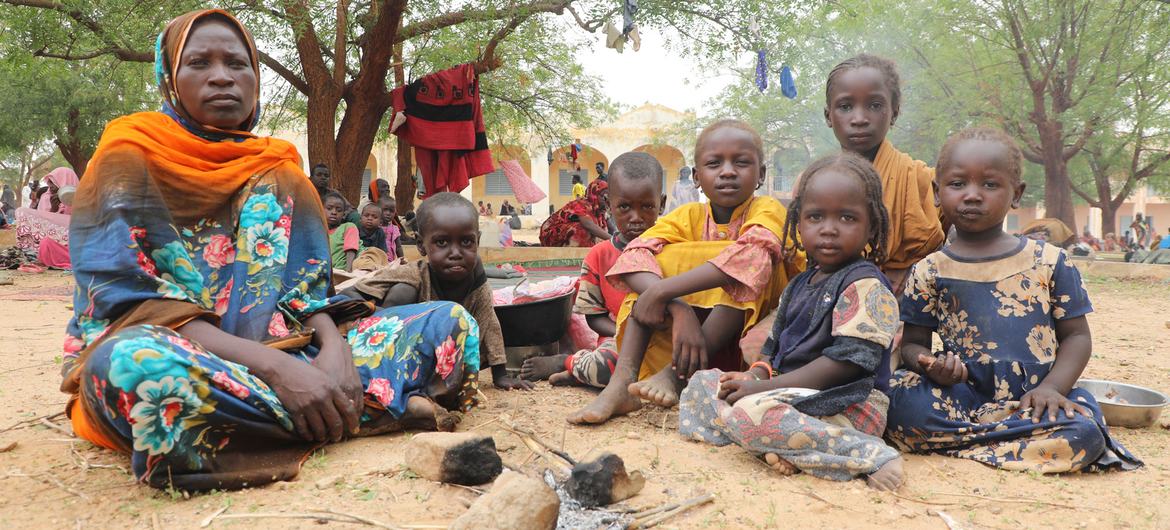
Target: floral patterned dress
[998,315]
[258,266]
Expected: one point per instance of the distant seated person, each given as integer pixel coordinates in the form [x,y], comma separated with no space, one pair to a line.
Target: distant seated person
[370,229]
[635,200]
[1165,243]
[483,209]
[344,240]
[507,208]
[1110,243]
[392,227]
[1088,239]
[43,228]
[450,270]
[581,223]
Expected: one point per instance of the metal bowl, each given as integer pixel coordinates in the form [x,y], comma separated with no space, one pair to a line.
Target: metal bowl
[1126,405]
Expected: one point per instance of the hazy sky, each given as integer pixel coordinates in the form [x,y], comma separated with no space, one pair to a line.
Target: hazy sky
[652,74]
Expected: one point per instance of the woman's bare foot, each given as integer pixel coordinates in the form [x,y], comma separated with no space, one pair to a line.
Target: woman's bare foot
[781,465]
[422,413]
[613,401]
[540,368]
[661,389]
[888,477]
[562,379]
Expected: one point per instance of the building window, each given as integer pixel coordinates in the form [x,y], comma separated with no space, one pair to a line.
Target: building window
[366,176]
[782,183]
[497,184]
[565,180]
[1013,222]
[1126,220]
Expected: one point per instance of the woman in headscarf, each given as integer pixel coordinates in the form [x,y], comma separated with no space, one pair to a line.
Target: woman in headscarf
[581,223]
[44,230]
[203,342]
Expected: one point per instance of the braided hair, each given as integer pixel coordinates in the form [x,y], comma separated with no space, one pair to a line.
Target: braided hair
[851,164]
[985,134]
[887,67]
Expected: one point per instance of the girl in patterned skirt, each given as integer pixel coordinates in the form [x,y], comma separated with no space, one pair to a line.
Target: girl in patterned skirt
[1011,315]
[816,403]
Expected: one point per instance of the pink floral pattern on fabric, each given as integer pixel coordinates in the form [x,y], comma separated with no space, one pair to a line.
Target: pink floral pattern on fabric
[219,251]
[749,262]
[277,327]
[445,357]
[224,381]
[381,390]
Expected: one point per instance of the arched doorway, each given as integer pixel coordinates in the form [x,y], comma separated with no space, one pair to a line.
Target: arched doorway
[368,175]
[562,169]
[672,161]
[493,188]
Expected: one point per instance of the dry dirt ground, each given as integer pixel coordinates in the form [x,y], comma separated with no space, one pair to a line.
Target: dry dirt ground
[50,480]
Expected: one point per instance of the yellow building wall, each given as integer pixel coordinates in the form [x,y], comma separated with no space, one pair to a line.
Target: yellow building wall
[479,184]
[671,159]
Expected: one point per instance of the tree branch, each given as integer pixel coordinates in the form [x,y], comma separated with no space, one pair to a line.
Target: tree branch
[339,55]
[133,56]
[452,18]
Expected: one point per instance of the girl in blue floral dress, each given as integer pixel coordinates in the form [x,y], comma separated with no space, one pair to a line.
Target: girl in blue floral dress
[1011,315]
[203,342]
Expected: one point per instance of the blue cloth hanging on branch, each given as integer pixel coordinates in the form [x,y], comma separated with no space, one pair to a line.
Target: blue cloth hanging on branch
[787,84]
[762,70]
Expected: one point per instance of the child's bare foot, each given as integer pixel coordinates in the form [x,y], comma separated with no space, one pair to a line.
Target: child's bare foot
[781,465]
[661,389]
[888,477]
[613,401]
[562,379]
[540,368]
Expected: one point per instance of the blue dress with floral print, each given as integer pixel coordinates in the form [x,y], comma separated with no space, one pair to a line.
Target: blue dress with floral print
[259,267]
[998,315]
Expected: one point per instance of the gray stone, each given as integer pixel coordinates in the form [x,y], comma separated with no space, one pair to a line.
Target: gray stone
[462,458]
[515,502]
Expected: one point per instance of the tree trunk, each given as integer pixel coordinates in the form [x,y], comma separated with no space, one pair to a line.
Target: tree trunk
[319,129]
[1057,188]
[70,144]
[355,138]
[1108,218]
[404,191]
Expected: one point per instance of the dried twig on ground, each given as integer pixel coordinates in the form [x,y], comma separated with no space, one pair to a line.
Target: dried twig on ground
[920,501]
[55,427]
[656,516]
[9,447]
[325,515]
[25,423]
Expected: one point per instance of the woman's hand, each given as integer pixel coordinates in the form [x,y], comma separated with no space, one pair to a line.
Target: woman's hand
[945,371]
[690,347]
[315,401]
[1044,398]
[336,361]
[732,391]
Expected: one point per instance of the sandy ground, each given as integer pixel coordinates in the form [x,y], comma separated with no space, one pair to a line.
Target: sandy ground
[50,480]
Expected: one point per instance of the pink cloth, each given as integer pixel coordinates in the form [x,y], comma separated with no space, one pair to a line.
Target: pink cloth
[54,254]
[526,191]
[392,234]
[60,177]
[33,226]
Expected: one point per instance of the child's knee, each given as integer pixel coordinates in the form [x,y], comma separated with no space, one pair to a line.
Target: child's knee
[1086,440]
